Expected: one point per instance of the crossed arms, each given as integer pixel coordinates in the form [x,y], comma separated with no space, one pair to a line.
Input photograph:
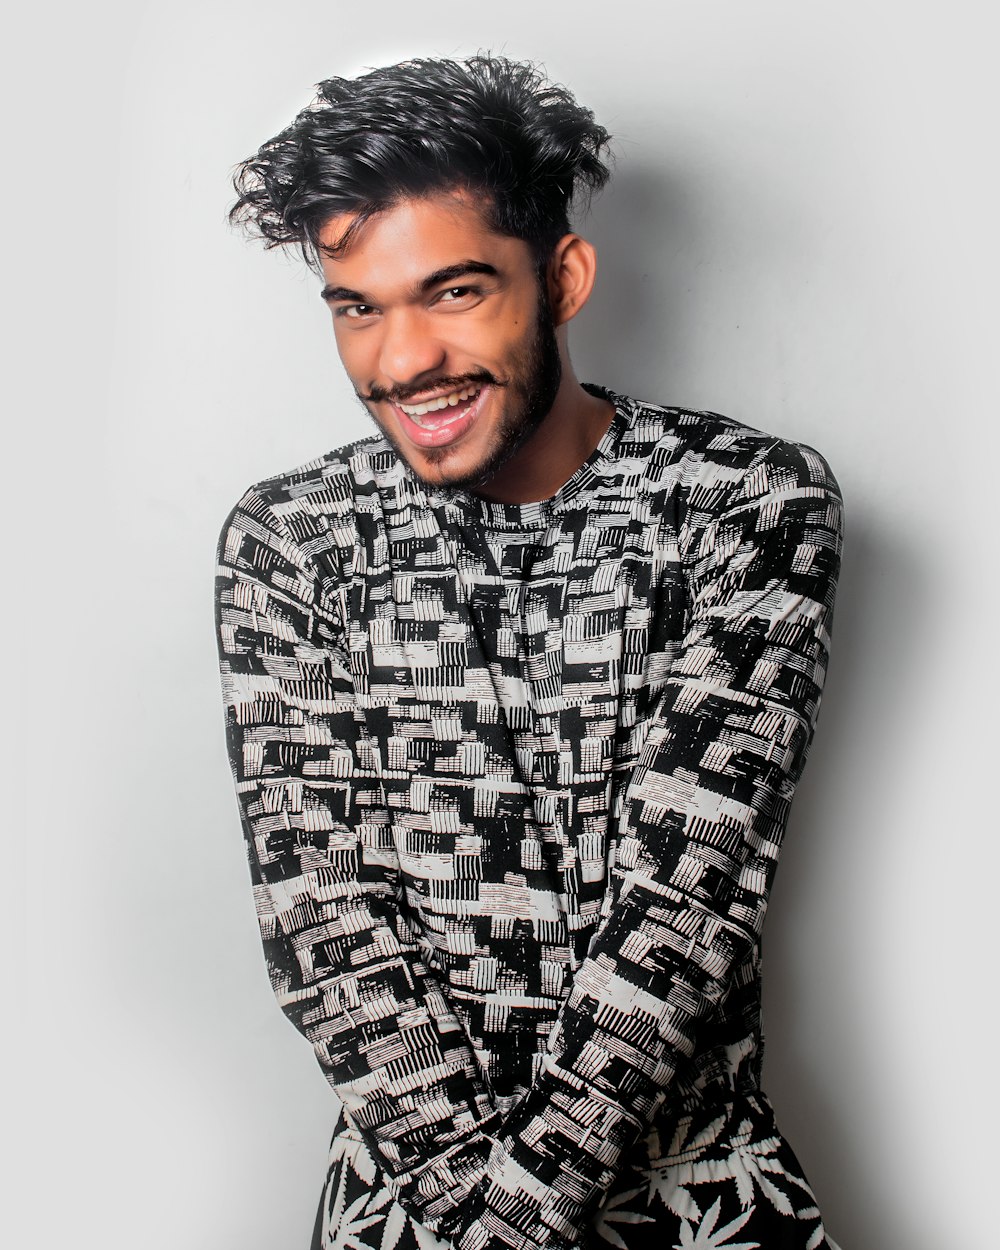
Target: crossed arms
[696,840]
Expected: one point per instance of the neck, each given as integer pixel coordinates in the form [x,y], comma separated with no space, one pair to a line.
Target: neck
[572,428]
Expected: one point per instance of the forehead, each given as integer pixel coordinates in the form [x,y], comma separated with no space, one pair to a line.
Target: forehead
[400,246]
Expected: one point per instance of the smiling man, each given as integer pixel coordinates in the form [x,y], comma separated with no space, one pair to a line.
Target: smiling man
[518,690]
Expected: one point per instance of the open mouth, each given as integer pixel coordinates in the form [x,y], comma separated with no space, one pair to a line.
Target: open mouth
[416,412]
[443,419]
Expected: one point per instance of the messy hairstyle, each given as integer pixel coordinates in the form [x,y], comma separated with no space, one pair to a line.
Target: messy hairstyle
[489,126]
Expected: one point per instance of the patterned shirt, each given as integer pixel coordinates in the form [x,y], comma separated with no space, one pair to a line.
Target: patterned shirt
[513,780]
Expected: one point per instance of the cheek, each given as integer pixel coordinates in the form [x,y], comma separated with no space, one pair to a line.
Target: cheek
[495,342]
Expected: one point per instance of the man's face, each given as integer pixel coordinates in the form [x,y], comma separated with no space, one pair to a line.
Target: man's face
[445,335]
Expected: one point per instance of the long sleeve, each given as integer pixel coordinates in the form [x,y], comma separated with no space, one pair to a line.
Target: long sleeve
[699,825]
[343,960]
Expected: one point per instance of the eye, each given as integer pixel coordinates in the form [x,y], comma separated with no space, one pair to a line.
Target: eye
[354,312]
[458,295]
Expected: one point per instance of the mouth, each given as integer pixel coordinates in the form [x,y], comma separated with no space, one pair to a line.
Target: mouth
[442,419]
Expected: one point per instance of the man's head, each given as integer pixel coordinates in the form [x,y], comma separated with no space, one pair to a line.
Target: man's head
[435,197]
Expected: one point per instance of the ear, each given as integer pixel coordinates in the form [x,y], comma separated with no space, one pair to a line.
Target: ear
[570,276]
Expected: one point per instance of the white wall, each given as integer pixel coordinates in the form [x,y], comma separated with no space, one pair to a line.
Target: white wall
[802,234]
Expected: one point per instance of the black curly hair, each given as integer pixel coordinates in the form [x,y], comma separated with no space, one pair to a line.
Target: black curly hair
[490,126]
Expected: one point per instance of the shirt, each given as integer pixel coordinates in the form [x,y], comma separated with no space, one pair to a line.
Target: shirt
[514,780]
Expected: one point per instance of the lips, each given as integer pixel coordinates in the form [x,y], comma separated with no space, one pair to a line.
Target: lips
[435,423]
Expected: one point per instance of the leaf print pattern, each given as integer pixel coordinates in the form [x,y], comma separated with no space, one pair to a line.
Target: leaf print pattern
[735,1157]
[672,1177]
[614,1212]
[356,1213]
[708,1237]
[392,1231]
[761,1162]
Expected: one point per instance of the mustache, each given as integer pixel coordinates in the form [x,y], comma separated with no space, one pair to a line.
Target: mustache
[447,382]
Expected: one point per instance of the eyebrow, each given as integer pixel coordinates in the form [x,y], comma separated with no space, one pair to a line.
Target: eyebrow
[337,294]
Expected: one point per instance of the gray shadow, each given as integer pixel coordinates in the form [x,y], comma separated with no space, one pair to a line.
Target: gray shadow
[628,336]
[882,587]
[634,337]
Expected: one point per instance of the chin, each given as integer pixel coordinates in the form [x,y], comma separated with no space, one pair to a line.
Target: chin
[435,470]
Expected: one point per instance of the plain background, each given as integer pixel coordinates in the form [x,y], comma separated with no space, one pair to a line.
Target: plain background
[801,234]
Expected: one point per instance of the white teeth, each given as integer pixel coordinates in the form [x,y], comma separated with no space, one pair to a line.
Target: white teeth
[443,401]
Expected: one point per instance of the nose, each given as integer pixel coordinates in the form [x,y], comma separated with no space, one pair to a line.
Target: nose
[409,350]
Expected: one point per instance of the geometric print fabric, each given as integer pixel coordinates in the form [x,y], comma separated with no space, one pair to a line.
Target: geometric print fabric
[514,780]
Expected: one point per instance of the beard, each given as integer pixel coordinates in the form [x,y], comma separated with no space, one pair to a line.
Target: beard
[531,385]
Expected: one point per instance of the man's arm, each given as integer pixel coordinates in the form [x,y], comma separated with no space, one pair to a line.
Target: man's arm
[343,961]
[698,834]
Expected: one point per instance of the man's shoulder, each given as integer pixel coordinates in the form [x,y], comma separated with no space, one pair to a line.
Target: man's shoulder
[312,510]
[698,432]
[334,480]
[700,450]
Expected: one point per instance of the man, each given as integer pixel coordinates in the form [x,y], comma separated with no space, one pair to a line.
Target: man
[518,690]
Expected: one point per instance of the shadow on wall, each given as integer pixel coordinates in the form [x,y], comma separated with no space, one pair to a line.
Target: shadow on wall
[640,331]
[626,338]
[825,1055]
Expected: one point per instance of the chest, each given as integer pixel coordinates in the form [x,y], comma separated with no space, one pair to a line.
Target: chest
[502,680]
[521,655]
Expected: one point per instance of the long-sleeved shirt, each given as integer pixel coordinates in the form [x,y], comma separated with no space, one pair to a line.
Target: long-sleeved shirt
[513,780]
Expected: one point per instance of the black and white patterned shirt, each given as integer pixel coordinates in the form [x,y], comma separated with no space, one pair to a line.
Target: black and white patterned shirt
[513,780]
